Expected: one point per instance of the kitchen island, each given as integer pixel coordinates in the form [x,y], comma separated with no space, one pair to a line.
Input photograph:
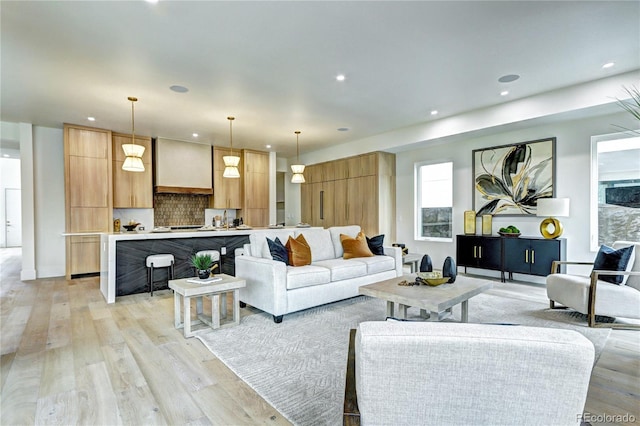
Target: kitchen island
[122,258]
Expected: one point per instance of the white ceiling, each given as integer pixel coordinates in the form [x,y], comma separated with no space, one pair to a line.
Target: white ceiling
[273,64]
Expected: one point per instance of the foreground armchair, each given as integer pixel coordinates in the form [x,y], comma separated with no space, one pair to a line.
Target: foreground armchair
[428,373]
[592,296]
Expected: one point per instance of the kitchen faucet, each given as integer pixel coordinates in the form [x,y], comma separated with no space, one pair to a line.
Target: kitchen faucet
[224,220]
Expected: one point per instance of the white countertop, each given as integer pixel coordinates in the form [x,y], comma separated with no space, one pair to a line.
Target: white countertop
[186,233]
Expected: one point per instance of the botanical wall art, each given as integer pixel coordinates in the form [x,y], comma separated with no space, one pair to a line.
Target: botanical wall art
[510,179]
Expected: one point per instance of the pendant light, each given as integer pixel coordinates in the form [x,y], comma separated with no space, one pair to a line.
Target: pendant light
[133,153]
[297,169]
[231,161]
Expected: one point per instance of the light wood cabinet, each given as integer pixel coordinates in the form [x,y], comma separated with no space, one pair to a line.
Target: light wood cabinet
[132,189]
[227,192]
[318,203]
[360,192]
[88,195]
[255,208]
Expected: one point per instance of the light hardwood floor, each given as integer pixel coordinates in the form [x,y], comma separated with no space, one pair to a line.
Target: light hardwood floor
[69,358]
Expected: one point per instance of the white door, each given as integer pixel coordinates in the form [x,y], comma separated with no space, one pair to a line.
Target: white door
[13,207]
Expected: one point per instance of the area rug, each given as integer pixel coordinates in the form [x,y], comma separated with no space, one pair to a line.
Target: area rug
[298,366]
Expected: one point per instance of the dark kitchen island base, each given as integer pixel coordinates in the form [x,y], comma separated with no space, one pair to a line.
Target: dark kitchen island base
[131,270]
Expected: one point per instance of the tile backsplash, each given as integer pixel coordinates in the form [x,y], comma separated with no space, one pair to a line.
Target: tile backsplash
[179,209]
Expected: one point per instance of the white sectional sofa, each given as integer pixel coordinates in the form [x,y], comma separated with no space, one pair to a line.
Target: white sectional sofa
[279,289]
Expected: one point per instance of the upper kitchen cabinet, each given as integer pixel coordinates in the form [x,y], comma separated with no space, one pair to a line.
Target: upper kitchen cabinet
[88,195]
[255,172]
[183,167]
[132,189]
[227,192]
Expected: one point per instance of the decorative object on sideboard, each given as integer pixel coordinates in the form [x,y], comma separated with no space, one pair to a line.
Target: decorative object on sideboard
[510,179]
[297,169]
[509,231]
[132,151]
[552,208]
[231,161]
[486,224]
[470,222]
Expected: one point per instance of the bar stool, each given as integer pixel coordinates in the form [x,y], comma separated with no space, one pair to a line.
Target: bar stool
[159,261]
[215,258]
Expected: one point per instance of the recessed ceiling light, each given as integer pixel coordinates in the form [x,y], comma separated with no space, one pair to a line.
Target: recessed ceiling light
[343,129]
[267,146]
[91,118]
[608,65]
[508,78]
[195,135]
[152,1]
[434,112]
[6,155]
[179,89]
[340,77]
[504,93]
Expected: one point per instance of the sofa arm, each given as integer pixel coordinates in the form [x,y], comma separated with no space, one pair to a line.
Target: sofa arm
[266,283]
[396,253]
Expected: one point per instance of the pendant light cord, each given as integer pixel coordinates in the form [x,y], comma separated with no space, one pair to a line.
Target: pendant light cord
[231,133]
[133,123]
[297,146]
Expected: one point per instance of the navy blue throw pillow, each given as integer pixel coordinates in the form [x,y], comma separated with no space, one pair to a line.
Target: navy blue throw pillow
[609,259]
[278,251]
[375,244]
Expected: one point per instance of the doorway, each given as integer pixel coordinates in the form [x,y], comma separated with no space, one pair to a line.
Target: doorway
[13,217]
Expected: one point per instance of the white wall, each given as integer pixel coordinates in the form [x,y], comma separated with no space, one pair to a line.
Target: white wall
[573,153]
[48,159]
[9,179]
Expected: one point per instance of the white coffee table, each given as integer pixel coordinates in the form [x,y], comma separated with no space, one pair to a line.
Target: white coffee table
[435,300]
[185,290]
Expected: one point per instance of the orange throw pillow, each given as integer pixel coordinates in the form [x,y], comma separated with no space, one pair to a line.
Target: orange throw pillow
[299,251]
[355,247]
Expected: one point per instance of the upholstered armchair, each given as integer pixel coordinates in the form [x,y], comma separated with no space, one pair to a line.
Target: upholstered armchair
[592,296]
[437,373]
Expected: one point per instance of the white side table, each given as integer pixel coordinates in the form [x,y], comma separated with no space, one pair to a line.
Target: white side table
[186,290]
[412,260]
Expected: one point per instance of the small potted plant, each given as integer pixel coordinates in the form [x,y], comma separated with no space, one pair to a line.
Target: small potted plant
[203,264]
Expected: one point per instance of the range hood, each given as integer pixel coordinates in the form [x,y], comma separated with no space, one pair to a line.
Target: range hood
[182,168]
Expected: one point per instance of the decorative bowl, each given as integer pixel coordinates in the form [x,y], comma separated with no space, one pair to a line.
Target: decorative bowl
[509,234]
[431,278]
[130,227]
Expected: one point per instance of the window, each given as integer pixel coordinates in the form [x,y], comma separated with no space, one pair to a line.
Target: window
[434,201]
[615,189]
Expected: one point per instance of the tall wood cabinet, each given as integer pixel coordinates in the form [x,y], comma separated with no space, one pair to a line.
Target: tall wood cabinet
[88,196]
[255,175]
[357,190]
[132,189]
[227,193]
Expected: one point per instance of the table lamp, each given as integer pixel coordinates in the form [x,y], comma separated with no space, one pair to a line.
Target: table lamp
[552,208]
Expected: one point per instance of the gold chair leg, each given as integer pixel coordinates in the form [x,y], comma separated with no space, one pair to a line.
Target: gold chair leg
[591,309]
